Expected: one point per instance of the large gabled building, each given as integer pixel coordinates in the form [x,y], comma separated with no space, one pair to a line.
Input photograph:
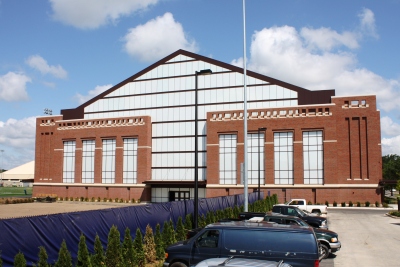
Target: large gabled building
[137,139]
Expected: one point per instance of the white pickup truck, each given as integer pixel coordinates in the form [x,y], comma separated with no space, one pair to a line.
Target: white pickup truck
[302,204]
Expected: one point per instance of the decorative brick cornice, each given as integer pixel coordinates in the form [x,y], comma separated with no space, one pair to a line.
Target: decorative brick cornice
[100,123]
[278,113]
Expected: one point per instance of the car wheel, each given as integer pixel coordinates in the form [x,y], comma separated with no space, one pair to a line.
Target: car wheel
[324,251]
[178,264]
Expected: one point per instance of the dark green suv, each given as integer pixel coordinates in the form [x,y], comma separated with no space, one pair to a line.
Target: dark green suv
[329,240]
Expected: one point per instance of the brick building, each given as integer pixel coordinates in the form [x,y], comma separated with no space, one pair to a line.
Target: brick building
[137,139]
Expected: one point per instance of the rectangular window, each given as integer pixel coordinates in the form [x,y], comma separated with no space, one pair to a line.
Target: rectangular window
[255,154]
[283,157]
[69,162]
[130,160]
[88,148]
[313,156]
[227,158]
[108,166]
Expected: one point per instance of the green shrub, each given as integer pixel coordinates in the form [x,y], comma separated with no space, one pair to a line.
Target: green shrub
[64,257]
[113,251]
[385,205]
[116,200]
[395,213]
[105,199]
[150,245]
[19,260]
[343,204]
[83,253]
[334,203]
[98,199]
[93,199]
[358,204]
[160,255]
[82,199]
[128,254]
[42,258]
[309,203]
[367,204]
[140,257]
[327,203]
[350,203]
[376,204]
[98,258]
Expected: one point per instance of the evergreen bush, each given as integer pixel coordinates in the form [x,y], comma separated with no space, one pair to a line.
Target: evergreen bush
[376,204]
[113,251]
[343,204]
[367,204]
[188,221]
[42,258]
[83,253]
[350,204]
[140,258]
[180,232]
[150,245]
[98,258]
[334,203]
[358,204]
[159,243]
[128,253]
[64,257]
[19,260]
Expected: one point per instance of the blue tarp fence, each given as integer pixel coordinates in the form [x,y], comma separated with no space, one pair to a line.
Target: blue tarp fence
[27,234]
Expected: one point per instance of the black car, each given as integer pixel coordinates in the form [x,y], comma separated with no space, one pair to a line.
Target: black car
[314,221]
[295,245]
[329,240]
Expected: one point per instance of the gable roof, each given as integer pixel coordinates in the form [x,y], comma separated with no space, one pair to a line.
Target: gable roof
[305,96]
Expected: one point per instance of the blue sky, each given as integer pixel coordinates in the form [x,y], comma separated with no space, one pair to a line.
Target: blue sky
[57,54]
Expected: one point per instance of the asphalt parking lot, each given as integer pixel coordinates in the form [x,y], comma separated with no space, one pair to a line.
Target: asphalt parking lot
[369,237]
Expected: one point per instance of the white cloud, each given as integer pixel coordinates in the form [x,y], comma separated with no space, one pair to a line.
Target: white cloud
[157,38]
[40,64]
[391,145]
[13,87]
[91,14]
[389,127]
[326,39]
[92,93]
[367,23]
[17,138]
[319,59]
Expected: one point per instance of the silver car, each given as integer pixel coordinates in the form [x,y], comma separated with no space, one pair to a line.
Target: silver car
[235,261]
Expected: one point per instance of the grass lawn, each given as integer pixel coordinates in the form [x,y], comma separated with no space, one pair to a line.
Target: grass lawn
[15,192]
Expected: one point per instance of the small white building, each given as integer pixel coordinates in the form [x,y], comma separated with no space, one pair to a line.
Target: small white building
[21,176]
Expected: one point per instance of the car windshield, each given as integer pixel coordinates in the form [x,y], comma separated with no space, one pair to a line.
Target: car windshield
[301,212]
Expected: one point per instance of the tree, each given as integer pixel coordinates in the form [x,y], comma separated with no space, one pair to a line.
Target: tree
[113,251]
[83,253]
[391,167]
[140,258]
[64,257]
[19,260]
[98,259]
[128,253]
[149,245]
[160,253]
[42,257]
[188,221]
[180,230]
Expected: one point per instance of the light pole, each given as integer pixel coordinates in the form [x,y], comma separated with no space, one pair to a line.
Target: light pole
[196,149]
[259,165]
